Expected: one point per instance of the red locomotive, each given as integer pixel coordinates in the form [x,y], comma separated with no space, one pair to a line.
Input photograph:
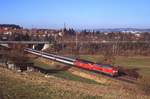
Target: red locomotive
[102,68]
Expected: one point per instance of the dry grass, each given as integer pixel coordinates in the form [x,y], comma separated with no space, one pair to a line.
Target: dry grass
[144,85]
[94,77]
[37,86]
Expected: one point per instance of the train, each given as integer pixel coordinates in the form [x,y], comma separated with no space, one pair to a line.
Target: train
[91,66]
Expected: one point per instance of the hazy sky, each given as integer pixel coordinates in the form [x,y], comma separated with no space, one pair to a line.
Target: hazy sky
[78,14]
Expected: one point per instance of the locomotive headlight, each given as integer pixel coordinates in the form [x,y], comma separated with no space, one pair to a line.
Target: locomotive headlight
[115,71]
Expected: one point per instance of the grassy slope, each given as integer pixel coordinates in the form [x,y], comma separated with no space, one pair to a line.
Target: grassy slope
[36,86]
[17,87]
[68,76]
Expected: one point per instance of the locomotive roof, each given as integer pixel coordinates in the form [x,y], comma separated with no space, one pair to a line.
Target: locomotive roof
[98,64]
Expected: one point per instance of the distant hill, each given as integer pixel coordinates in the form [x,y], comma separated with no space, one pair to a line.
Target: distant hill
[13,26]
[123,30]
[109,30]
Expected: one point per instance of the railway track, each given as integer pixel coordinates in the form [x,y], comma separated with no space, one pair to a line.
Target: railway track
[127,79]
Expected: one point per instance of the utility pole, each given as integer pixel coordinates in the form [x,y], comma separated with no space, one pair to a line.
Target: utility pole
[77,44]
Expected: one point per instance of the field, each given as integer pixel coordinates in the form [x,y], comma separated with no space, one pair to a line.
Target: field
[66,85]
[142,63]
